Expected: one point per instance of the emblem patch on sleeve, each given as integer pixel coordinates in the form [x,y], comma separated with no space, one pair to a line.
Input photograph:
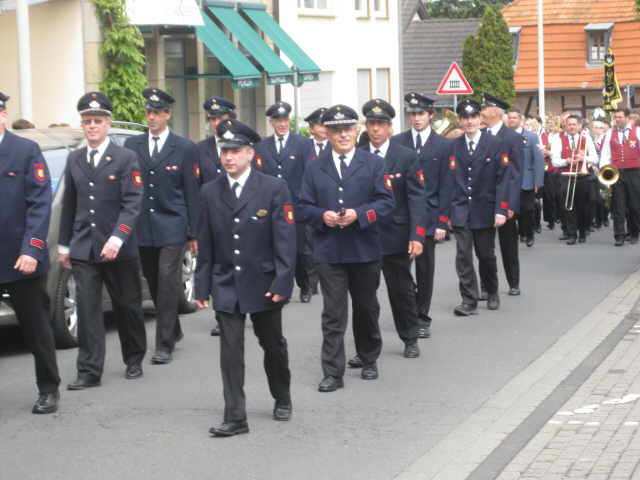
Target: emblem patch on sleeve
[371,216]
[504,205]
[36,242]
[288,213]
[387,182]
[259,161]
[196,170]
[420,174]
[452,163]
[420,231]
[124,228]
[39,172]
[505,159]
[136,178]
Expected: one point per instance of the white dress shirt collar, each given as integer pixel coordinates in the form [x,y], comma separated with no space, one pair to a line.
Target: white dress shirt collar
[276,139]
[424,135]
[475,139]
[496,128]
[242,179]
[100,148]
[383,148]
[347,160]
[1,137]
[162,138]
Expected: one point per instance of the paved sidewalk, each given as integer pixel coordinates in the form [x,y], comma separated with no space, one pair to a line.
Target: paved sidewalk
[596,434]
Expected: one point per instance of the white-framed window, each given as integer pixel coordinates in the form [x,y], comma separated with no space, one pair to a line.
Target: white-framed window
[313,4]
[365,89]
[598,40]
[515,42]
[381,8]
[362,8]
[383,84]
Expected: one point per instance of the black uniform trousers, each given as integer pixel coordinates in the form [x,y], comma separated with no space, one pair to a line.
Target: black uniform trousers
[402,296]
[527,217]
[30,302]
[122,279]
[162,267]
[578,219]
[508,238]
[425,270]
[267,326]
[305,274]
[337,281]
[626,201]
[483,241]
[550,195]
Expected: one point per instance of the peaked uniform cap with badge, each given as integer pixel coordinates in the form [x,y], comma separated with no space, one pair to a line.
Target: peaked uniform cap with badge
[491,101]
[279,110]
[378,109]
[218,106]
[94,103]
[417,103]
[339,116]
[468,108]
[157,99]
[3,100]
[235,134]
[316,115]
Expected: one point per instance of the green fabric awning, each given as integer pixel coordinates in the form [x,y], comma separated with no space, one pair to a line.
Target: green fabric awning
[259,16]
[243,73]
[277,71]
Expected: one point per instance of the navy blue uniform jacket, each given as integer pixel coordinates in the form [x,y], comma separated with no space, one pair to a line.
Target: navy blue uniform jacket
[406,180]
[171,191]
[477,186]
[209,161]
[363,190]
[533,161]
[405,139]
[246,246]
[26,206]
[100,203]
[513,146]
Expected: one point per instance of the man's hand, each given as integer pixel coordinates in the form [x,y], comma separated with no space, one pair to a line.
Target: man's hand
[415,249]
[330,218]
[65,260]
[202,304]
[275,298]
[440,234]
[510,214]
[110,250]
[192,245]
[26,264]
[500,220]
[348,218]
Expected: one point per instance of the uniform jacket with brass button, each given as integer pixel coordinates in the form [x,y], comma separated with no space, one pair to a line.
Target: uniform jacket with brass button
[209,160]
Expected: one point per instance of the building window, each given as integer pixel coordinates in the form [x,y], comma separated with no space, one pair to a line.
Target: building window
[364,86]
[515,43]
[313,4]
[362,8]
[383,84]
[598,38]
[381,8]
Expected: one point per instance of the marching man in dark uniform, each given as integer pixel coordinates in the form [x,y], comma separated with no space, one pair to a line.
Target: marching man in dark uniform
[318,131]
[344,197]
[24,217]
[403,231]
[218,109]
[170,172]
[475,201]
[246,264]
[100,208]
[284,155]
[420,114]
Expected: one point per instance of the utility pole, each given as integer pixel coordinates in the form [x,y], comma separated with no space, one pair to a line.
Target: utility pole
[541,97]
[24,59]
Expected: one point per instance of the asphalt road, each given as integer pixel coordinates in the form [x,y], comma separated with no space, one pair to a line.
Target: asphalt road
[156,427]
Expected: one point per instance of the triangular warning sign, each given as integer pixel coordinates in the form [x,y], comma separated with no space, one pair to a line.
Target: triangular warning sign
[454,82]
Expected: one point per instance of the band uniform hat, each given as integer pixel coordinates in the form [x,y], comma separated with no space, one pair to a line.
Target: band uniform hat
[316,115]
[378,109]
[339,116]
[468,108]
[157,99]
[218,106]
[417,103]
[235,134]
[3,100]
[279,110]
[491,101]
[94,103]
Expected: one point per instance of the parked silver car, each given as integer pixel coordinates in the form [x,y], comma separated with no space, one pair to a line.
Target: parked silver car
[56,143]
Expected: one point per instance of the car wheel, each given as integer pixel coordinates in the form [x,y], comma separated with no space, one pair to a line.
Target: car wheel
[186,302]
[65,312]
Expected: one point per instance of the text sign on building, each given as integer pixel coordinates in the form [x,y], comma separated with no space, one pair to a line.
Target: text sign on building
[165,12]
[454,82]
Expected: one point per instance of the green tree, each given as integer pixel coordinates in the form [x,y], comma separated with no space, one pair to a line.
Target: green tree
[462,8]
[123,50]
[487,59]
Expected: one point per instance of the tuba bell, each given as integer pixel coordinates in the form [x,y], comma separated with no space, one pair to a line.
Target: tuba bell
[607,176]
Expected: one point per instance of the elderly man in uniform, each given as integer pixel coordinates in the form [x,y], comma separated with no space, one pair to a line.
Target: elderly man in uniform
[246,264]
[100,208]
[284,155]
[475,201]
[168,221]
[343,197]
[25,215]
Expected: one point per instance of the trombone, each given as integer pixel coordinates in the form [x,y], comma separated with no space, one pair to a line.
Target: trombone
[607,176]
[576,168]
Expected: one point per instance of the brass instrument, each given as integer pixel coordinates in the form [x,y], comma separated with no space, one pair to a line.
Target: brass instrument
[576,169]
[607,176]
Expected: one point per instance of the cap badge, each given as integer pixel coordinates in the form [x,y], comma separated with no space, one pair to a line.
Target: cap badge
[228,135]
[281,110]
[469,109]
[414,101]
[215,106]
[376,109]
[339,116]
[94,104]
[154,98]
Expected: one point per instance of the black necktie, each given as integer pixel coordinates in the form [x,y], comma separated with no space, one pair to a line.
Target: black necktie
[92,158]
[343,166]
[573,143]
[418,142]
[472,147]
[319,148]
[281,144]
[155,152]
[377,152]
[234,188]
[623,131]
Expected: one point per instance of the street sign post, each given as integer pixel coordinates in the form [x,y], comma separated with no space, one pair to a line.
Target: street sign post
[454,83]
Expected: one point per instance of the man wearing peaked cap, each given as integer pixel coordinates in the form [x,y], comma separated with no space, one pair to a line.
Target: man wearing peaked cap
[493,112]
[402,232]
[100,209]
[474,201]
[420,110]
[343,198]
[318,131]
[285,155]
[247,251]
[168,223]
[24,258]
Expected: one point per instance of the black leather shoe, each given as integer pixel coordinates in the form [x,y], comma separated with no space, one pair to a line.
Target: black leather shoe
[314,290]
[355,362]
[412,350]
[81,383]
[564,236]
[330,384]
[619,241]
[514,291]
[522,239]
[582,238]
[530,241]
[369,372]
[133,371]
[179,337]
[464,310]
[551,226]
[215,331]
[627,237]
[282,411]
[46,403]
[161,357]
[571,241]
[605,223]
[634,240]
[494,302]
[305,296]
[229,429]
[483,296]
[424,332]
[539,229]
